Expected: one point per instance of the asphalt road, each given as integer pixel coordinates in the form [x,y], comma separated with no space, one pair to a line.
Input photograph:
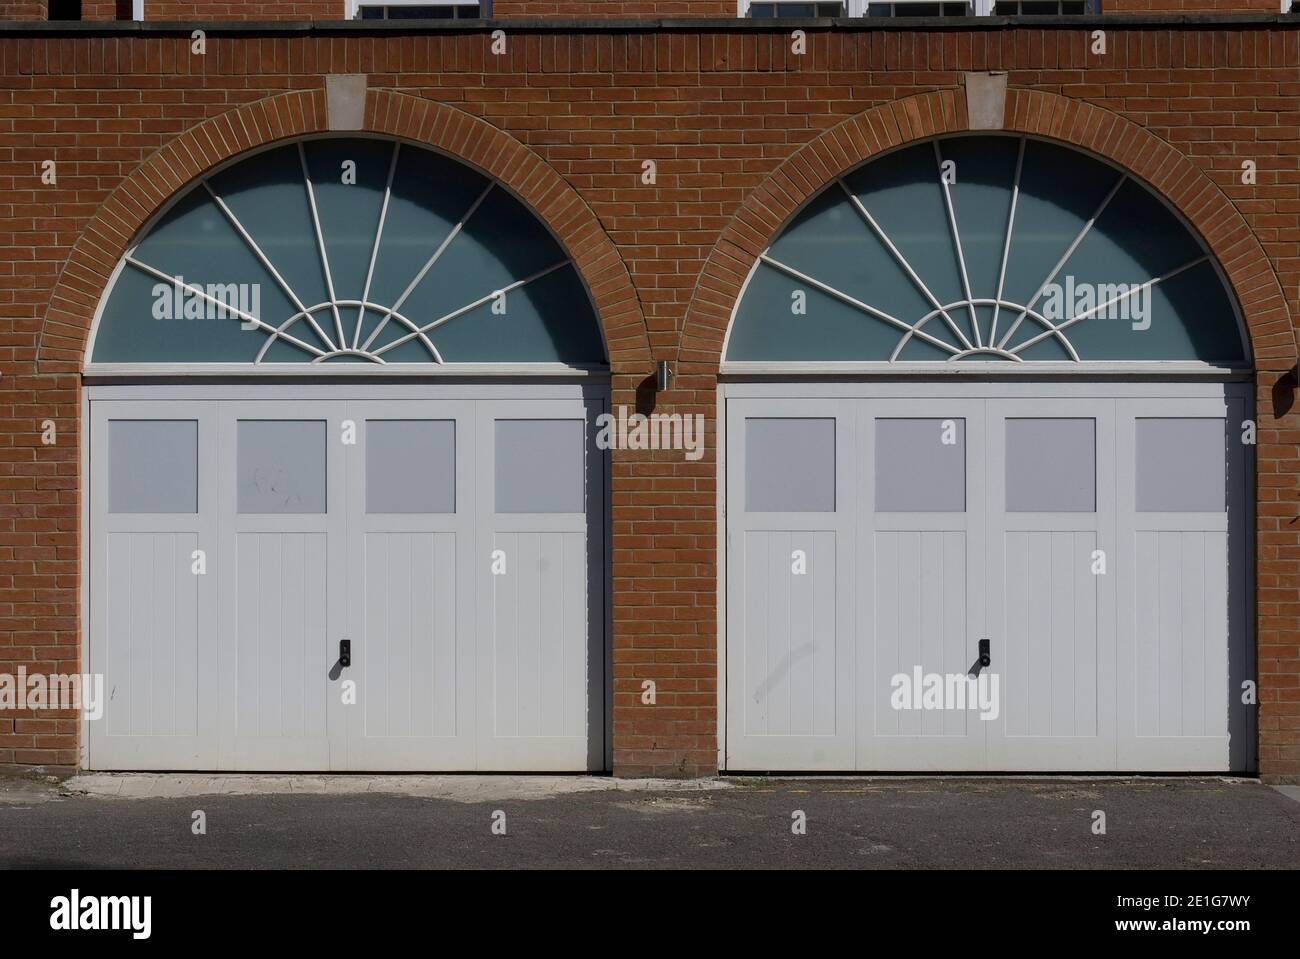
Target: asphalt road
[851,823]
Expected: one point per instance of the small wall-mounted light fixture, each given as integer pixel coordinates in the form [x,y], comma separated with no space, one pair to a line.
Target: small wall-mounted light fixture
[663,376]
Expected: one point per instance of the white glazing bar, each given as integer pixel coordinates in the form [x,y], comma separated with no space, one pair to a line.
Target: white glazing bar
[374,251]
[956,242]
[320,242]
[851,301]
[203,294]
[405,321]
[1061,262]
[915,329]
[470,306]
[455,231]
[1087,314]
[902,261]
[266,263]
[1006,240]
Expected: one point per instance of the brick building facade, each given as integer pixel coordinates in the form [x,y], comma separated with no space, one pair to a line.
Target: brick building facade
[304,10]
[742,131]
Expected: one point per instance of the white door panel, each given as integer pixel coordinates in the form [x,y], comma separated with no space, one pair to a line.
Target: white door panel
[152,619]
[790,648]
[1051,517]
[919,580]
[1182,662]
[410,585]
[282,584]
[790,695]
[539,692]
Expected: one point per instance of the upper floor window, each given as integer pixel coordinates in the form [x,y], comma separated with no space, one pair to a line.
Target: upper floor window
[64,10]
[918,8]
[1024,8]
[764,8]
[418,10]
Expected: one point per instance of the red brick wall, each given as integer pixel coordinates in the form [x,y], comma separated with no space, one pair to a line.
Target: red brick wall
[608,9]
[207,10]
[216,10]
[720,113]
[105,10]
[503,9]
[36,10]
[1190,6]
[22,9]
[613,8]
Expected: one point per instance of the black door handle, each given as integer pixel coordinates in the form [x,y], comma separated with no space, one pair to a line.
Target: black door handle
[985,658]
[345,653]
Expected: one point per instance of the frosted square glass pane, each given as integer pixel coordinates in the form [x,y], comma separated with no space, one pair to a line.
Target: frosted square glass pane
[539,466]
[1051,466]
[1181,465]
[789,465]
[153,466]
[410,466]
[281,466]
[921,466]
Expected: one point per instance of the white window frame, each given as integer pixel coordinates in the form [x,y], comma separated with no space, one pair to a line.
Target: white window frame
[354,6]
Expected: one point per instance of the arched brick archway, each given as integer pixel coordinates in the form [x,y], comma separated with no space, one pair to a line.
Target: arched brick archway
[1187,188]
[75,298]
[1086,126]
[454,132]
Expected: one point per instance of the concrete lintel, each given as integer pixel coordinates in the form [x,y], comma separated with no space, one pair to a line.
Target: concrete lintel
[345,101]
[986,100]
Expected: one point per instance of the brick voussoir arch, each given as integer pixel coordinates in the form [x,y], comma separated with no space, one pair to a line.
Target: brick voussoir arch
[1084,125]
[470,139]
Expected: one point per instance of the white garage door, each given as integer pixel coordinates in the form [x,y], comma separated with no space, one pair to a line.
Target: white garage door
[1017,485]
[1095,536]
[333,575]
[239,539]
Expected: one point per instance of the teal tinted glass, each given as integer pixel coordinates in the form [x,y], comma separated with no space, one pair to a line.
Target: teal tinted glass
[986,249]
[270,200]
[347,250]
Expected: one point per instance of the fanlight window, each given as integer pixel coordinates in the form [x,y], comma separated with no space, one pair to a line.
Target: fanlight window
[986,248]
[347,250]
